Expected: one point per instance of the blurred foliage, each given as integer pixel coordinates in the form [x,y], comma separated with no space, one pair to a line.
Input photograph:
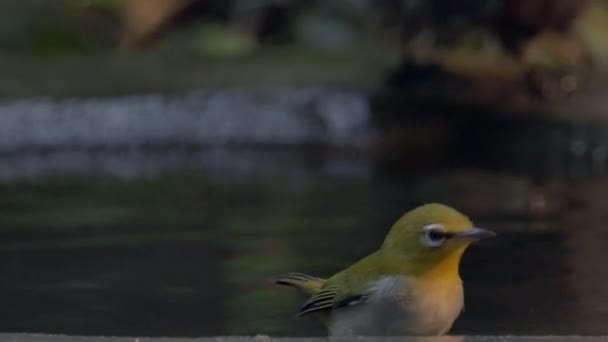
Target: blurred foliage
[592,27]
[220,40]
[43,28]
[222,28]
[503,41]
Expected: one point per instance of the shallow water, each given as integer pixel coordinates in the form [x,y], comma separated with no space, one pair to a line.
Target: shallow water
[186,243]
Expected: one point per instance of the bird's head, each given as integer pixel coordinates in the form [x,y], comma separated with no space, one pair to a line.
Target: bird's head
[430,236]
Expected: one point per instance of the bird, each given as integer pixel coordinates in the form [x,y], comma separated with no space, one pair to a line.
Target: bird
[409,286]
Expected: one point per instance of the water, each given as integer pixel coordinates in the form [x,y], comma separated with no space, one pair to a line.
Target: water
[186,243]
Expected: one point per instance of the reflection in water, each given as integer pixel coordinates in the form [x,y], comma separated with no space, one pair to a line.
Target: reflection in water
[193,250]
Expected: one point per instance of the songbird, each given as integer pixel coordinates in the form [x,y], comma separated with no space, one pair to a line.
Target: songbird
[410,286]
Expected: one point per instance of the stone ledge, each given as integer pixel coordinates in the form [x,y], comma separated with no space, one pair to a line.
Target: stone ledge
[64,338]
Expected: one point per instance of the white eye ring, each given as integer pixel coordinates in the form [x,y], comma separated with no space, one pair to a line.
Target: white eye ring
[432,235]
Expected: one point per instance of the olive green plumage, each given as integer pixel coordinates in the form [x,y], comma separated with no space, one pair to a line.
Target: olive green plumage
[408,252]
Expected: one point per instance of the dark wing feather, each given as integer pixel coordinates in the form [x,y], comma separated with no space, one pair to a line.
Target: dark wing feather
[323,300]
[351,300]
[327,298]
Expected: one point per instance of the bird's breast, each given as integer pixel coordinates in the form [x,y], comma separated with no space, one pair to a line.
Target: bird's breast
[400,306]
[435,306]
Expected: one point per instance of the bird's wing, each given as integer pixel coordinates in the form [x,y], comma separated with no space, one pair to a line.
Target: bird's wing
[303,282]
[333,297]
[328,299]
[345,289]
[323,300]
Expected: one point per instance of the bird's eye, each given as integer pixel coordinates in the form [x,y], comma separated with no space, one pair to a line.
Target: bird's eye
[434,235]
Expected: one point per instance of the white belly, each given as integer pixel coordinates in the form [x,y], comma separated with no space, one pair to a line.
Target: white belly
[397,306]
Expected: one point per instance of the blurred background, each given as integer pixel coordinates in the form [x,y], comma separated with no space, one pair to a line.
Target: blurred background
[161,161]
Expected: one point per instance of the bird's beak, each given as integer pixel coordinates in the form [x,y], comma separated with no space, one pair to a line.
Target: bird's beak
[475,234]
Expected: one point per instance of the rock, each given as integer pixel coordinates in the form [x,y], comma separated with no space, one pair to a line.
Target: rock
[269,116]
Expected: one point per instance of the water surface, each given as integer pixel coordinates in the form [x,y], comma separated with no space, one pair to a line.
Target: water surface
[187,243]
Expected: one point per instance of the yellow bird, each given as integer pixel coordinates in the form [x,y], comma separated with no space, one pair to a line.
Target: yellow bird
[410,286]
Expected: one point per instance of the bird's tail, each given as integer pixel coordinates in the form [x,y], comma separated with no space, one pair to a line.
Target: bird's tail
[303,282]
